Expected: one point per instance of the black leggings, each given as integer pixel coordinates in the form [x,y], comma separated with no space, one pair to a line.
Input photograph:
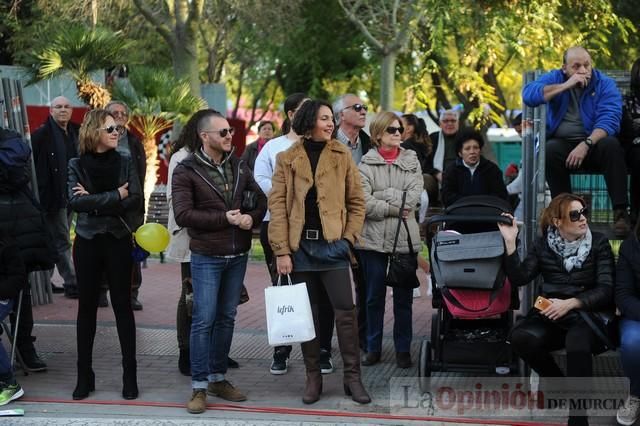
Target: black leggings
[535,337]
[104,254]
[336,283]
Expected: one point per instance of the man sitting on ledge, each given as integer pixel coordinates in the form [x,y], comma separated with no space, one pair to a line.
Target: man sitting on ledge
[584,108]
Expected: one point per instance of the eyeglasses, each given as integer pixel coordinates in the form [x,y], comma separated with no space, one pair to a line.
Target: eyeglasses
[222,132]
[574,215]
[450,121]
[119,113]
[112,129]
[61,106]
[358,107]
[392,130]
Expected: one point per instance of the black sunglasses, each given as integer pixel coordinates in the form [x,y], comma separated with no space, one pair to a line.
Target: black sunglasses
[358,107]
[392,130]
[223,132]
[574,215]
[112,129]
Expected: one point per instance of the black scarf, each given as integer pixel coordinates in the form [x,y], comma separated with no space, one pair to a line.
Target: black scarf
[103,169]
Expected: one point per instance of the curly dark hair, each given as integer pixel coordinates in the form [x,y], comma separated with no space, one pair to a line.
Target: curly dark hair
[468,134]
[305,119]
[189,137]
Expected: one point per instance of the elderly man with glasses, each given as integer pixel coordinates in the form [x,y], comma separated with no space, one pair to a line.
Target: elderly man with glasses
[351,116]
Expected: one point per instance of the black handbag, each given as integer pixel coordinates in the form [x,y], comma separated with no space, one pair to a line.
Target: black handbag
[605,327]
[402,267]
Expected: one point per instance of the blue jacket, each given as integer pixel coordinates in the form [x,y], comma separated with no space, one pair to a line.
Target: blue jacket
[600,104]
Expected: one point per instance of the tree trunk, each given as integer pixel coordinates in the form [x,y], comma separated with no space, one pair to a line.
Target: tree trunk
[387,76]
[185,64]
[150,179]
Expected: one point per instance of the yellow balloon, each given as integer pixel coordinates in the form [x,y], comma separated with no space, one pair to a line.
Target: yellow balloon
[152,237]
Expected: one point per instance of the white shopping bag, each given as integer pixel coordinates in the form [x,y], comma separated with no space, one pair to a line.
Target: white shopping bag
[289,317]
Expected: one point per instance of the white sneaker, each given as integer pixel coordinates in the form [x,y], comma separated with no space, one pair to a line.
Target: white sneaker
[628,413]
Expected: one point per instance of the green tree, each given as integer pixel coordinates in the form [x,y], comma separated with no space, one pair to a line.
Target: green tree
[473,53]
[386,26]
[156,99]
[177,23]
[80,51]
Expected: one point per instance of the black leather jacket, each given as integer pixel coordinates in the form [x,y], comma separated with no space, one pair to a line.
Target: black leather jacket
[592,284]
[100,213]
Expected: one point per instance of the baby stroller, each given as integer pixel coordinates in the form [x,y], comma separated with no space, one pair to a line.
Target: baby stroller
[473,298]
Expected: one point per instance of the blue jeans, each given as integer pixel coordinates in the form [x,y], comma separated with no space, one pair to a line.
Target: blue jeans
[374,266]
[630,353]
[6,372]
[217,283]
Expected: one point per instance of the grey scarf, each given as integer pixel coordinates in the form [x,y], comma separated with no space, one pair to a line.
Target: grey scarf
[573,253]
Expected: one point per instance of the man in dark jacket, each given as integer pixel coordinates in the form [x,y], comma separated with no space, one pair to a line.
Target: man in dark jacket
[471,174]
[584,108]
[54,144]
[217,200]
[130,145]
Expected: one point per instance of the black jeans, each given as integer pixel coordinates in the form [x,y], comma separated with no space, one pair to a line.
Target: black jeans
[606,157]
[535,337]
[183,319]
[104,254]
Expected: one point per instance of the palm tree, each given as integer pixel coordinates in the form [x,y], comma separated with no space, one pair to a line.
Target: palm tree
[156,100]
[80,51]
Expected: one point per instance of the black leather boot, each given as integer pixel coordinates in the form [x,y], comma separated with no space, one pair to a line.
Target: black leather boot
[86,383]
[129,380]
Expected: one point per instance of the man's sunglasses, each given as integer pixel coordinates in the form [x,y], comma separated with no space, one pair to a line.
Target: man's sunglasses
[222,132]
[574,215]
[392,130]
[358,107]
[112,129]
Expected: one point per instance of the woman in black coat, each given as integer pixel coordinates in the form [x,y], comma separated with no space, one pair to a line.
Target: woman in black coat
[104,190]
[627,292]
[576,266]
[471,174]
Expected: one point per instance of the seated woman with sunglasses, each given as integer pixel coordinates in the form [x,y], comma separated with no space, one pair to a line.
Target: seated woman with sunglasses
[388,171]
[576,266]
[471,174]
[104,190]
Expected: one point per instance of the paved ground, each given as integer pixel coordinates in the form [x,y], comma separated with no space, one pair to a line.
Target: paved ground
[163,390]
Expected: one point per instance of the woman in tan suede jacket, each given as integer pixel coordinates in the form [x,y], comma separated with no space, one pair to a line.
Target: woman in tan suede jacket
[317,211]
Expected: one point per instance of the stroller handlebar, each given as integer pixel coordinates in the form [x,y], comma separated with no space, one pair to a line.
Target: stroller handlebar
[468,219]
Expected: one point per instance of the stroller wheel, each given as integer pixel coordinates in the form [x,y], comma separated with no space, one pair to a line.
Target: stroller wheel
[424,365]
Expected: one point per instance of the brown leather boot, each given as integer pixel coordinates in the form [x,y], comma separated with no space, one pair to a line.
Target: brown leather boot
[313,386]
[347,331]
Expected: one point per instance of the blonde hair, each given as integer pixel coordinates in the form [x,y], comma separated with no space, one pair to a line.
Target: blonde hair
[557,209]
[379,125]
[90,129]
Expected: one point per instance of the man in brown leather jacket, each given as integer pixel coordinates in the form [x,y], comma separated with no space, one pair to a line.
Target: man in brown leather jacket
[216,198]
